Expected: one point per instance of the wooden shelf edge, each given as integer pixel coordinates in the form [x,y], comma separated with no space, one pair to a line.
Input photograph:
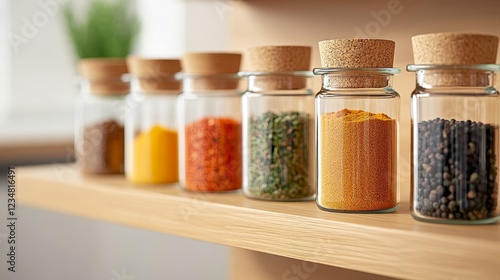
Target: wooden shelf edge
[386,244]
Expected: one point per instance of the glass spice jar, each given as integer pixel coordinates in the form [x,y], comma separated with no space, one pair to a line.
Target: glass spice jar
[455,123]
[99,131]
[357,124]
[151,121]
[278,124]
[210,123]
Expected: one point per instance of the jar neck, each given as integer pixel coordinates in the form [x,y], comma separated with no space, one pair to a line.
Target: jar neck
[351,80]
[441,78]
[194,83]
[356,78]
[278,82]
[154,85]
[465,78]
[112,86]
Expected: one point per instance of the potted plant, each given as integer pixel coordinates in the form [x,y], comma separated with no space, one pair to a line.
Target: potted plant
[108,29]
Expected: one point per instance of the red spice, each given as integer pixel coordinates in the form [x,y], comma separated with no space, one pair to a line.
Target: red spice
[213,155]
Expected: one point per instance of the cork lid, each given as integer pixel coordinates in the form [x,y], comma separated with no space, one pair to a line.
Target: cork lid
[211,71]
[155,75]
[279,58]
[357,53]
[104,75]
[211,63]
[454,48]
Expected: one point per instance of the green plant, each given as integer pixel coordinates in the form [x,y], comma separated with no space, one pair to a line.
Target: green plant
[106,30]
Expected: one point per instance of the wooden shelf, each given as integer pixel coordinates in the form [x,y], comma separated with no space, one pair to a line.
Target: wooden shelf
[386,244]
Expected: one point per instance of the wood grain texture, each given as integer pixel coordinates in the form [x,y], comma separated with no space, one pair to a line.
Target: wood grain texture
[392,245]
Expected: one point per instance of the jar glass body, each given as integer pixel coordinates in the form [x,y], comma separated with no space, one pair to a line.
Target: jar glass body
[357,126]
[454,145]
[99,130]
[209,118]
[151,136]
[278,137]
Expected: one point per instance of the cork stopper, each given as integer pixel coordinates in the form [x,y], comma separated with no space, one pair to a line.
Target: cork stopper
[104,75]
[211,63]
[357,53]
[455,49]
[155,75]
[211,68]
[279,59]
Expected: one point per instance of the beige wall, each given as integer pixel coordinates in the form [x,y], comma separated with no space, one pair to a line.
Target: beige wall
[301,22]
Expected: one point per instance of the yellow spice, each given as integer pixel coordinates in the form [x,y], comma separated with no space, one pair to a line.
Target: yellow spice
[155,156]
[358,161]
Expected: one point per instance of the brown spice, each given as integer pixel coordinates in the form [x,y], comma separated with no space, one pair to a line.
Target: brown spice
[213,155]
[358,161]
[103,148]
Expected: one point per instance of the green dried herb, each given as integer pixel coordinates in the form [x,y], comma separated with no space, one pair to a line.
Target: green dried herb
[279,156]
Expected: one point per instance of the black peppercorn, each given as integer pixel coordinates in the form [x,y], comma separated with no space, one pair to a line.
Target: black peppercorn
[457,171]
